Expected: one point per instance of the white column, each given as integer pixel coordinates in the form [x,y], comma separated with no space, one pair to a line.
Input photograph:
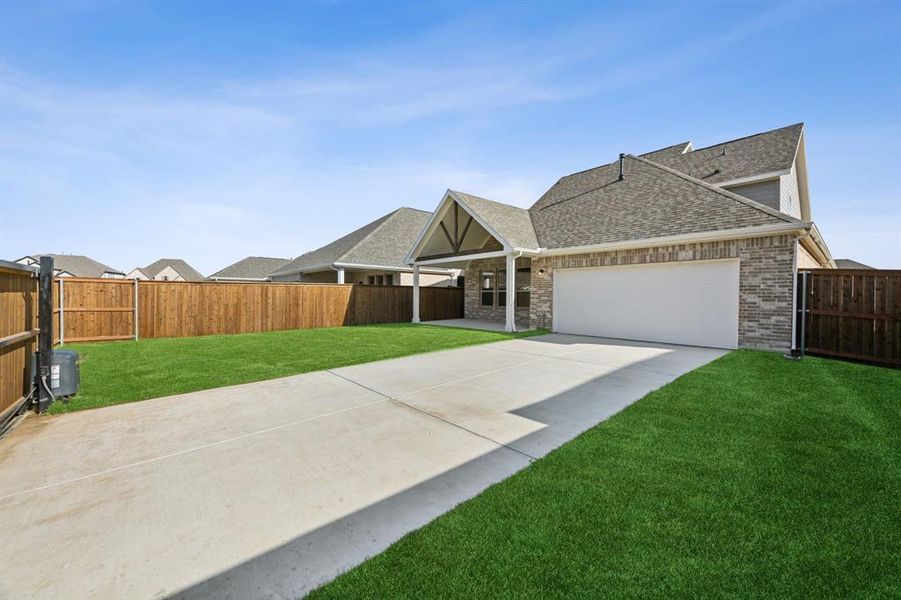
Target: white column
[416,293]
[341,275]
[511,293]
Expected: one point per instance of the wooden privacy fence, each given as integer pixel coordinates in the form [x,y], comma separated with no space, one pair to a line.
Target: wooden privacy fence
[850,313]
[120,309]
[18,335]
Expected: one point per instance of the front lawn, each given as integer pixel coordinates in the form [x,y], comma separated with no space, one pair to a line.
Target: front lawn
[752,476]
[118,372]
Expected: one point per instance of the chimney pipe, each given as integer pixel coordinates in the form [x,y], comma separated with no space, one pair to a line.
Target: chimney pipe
[622,166]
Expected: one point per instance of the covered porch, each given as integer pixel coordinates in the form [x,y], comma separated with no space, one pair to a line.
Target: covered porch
[493,244]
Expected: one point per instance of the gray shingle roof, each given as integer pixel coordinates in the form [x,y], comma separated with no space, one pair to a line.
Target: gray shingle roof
[510,222]
[757,154]
[594,207]
[847,263]
[181,267]
[383,242]
[252,267]
[78,265]
[669,151]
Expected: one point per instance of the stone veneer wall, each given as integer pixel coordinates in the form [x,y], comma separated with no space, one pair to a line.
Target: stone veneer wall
[472,308]
[765,282]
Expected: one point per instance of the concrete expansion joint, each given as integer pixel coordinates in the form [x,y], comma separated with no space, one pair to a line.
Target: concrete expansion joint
[436,417]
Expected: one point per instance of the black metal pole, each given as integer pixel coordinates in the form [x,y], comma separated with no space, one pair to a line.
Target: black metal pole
[45,337]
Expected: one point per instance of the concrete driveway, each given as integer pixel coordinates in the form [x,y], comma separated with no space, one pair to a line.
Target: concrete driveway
[269,489]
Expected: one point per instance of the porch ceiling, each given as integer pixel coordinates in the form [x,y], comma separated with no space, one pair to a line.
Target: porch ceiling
[457,233]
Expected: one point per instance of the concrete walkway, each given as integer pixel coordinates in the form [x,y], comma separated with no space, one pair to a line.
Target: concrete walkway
[267,490]
[484,324]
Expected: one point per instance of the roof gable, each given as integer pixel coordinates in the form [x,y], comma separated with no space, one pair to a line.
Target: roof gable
[178,265]
[511,224]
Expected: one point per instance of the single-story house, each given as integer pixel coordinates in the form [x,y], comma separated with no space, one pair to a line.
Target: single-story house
[697,246]
[847,263]
[371,255]
[166,269]
[74,265]
[252,268]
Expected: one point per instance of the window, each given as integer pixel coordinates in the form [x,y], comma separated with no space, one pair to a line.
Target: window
[486,284]
[502,288]
[380,279]
[372,280]
[523,287]
[389,279]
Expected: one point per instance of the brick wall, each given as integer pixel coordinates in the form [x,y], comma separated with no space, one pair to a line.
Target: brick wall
[472,306]
[765,282]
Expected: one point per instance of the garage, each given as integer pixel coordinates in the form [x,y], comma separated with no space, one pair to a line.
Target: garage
[693,303]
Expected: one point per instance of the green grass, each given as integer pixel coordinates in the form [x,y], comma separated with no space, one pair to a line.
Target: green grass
[118,372]
[752,476]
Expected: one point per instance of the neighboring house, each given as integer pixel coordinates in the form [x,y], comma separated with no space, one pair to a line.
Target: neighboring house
[371,255]
[681,245]
[166,269]
[74,265]
[252,268]
[847,263]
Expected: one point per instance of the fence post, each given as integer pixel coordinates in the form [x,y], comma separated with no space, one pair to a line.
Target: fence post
[45,338]
[62,308]
[135,318]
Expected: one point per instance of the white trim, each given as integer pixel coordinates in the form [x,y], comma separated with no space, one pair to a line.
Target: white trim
[704,236]
[753,178]
[815,244]
[510,294]
[355,266]
[461,258]
[416,294]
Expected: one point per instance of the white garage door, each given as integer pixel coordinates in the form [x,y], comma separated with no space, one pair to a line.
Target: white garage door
[694,303]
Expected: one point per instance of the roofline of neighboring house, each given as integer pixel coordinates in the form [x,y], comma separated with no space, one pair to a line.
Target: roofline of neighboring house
[221,278]
[343,265]
[17,266]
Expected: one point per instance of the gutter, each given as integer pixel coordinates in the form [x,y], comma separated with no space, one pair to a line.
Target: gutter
[706,236]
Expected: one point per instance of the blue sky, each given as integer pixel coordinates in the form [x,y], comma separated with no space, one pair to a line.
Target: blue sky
[212,131]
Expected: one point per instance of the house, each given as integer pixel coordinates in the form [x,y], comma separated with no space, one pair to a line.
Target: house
[74,265]
[166,269]
[847,263]
[252,268]
[696,246]
[371,255]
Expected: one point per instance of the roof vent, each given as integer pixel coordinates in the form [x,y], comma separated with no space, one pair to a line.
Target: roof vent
[724,151]
[622,166]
